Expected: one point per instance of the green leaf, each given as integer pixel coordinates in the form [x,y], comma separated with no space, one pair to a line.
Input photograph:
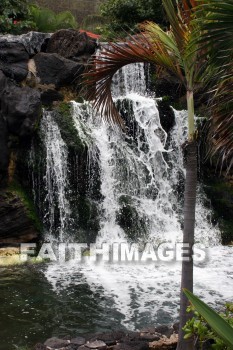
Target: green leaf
[219,325]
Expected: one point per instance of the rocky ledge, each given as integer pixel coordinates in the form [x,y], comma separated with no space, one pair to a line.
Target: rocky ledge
[16,221]
[35,70]
[161,337]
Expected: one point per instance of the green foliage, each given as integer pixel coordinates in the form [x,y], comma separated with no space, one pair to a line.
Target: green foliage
[63,116]
[124,14]
[215,21]
[15,17]
[209,327]
[65,20]
[94,23]
[47,21]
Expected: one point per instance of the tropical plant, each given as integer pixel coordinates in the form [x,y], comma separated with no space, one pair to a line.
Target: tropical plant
[175,52]
[15,17]
[47,21]
[124,15]
[215,21]
[207,326]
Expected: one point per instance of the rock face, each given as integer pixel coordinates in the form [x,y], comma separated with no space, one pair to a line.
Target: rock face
[71,44]
[33,42]
[54,69]
[21,108]
[4,149]
[34,68]
[13,60]
[15,223]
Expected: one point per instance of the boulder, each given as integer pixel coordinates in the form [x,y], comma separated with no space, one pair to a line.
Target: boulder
[54,69]
[71,44]
[132,345]
[15,223]
[165,330]
[33,42]
[56,343]
[149,337]
[165,343]
[49,96]
[21,108]
[13,60]
[78,341]
[109,338]
[97,344]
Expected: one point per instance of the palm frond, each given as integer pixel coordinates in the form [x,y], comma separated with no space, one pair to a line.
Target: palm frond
[169,51]
[220,134]
[215,19]
[215,23]
[153,46]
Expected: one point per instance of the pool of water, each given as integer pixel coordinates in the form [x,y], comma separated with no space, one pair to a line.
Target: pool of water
[40,301]
[32,311]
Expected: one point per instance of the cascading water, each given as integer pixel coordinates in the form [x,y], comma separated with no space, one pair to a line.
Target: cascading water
[136,180]
[139,202]
[205,232]
[56,206]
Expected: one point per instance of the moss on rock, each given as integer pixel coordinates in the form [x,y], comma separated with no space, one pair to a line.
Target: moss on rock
[129,219]
[63,117]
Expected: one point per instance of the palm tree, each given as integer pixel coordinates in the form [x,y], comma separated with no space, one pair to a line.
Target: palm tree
[173,51]
[215,21]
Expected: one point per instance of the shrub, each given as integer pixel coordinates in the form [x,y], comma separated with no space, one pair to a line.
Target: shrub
[15,17]
[47,21]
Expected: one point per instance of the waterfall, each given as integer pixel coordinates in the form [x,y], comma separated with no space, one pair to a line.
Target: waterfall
[55,204]
[136,180]
[140,175]
[205,232]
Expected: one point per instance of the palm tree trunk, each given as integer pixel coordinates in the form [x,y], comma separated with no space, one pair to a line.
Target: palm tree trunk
[188,237]
[189,223]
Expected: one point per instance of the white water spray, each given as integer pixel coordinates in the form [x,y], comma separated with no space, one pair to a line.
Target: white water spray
[134,175]
[55,179]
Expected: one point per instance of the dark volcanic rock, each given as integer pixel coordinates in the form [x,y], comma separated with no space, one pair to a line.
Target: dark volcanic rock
[150,337]
[69,43]
[132,345]
[176,327]
[164,330]
[109,338]
[33,42]
[49,96]
[3,137]
[97,344]
[56,343]
[78,341]
[15,224]
[13,60]
[22,108]
[166,115]
[56,70]
[4,154]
